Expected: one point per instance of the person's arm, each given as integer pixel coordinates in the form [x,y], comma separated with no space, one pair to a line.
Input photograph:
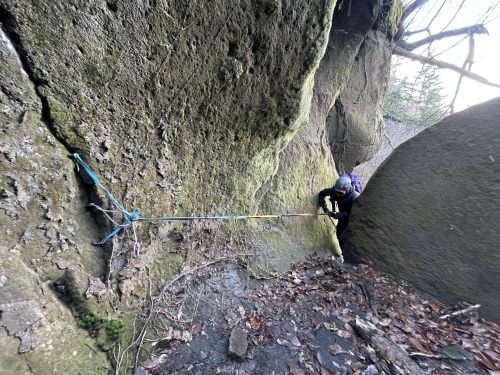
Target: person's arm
[345,214]
[342,214]
[321,198]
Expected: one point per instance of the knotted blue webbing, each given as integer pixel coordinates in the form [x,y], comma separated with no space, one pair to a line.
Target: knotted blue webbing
[129,217]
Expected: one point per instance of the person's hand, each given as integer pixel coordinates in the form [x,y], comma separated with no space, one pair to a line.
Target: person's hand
[332,214]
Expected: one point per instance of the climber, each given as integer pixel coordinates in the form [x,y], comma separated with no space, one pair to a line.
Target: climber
[344,194]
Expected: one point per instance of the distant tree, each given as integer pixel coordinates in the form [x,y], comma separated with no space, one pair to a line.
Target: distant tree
[418,101]
[434,9]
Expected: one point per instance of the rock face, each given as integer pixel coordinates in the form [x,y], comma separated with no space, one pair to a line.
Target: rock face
[180,108]
[40,214]
[430,212]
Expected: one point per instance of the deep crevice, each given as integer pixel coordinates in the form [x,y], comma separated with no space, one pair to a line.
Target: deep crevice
[9,28]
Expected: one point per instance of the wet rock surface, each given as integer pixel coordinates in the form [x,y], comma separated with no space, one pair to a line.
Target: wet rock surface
[303,322]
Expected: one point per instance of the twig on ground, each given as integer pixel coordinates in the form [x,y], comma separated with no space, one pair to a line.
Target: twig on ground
[459,312]
[433,356]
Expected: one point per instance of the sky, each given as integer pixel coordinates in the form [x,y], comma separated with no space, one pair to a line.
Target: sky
[462,13]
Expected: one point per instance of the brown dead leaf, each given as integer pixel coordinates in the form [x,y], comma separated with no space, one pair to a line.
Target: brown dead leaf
[335,349]
[330,326]
[254,321]
[372,353]
[326,371]
[434,307]
[386,322]
[484,360]
[468,344]
[312,287]
[295,369]
[356,366]
[493,326]
[493,357]
[197,328]
[343,334]
[151,364]
[416,344]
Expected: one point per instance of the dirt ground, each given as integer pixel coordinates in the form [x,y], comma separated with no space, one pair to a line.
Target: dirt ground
[304,322]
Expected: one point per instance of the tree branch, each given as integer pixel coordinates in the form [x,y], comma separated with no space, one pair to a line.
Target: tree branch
[397,50]
[410,33]
[411,8]
[475,29]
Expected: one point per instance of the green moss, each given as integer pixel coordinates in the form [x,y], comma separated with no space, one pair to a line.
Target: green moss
[64,120]
[294,237]
[395,15]
[106,331]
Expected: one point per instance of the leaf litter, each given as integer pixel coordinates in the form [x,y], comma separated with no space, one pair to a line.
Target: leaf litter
[302,323]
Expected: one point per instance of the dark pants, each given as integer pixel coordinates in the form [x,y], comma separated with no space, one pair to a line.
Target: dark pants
[341,232]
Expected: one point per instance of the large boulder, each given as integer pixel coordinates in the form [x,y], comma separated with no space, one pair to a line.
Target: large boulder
[430,212]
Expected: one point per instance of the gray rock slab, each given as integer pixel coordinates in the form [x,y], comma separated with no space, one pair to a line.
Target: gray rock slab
[238,344]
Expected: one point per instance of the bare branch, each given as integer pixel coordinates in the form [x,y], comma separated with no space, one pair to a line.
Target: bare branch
[410,33]
[475,29]
[469,60]
[411,8]
[442,65]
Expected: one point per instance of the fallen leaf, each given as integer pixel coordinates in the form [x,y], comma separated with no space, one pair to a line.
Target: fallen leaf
[434,307]
[186,336]
[295,369]
[319,357]
[493,357]
[326,371]
[254,320]
[385,322]
[295,341]
[197,328]
[485,361]
[151,364]
[343,334]
[372,353]
[329,326]
[416,344]
[239,293]
[356,366]
[335,349]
